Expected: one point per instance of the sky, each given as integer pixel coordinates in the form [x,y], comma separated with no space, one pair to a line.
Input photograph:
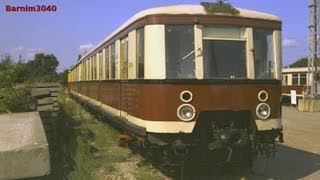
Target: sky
[78,25]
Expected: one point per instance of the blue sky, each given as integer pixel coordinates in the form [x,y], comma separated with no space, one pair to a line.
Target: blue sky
[79,24]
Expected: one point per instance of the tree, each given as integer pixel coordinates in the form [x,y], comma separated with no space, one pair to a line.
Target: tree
[10,72]
[13,96]
[63,77]
[42,68]
[79,57]
[302,62]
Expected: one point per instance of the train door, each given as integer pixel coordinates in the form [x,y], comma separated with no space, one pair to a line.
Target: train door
[123,77]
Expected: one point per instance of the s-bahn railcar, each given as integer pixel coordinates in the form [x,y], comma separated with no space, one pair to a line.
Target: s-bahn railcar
[199,83]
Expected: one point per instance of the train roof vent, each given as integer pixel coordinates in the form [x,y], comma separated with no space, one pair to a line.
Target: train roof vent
[220,7]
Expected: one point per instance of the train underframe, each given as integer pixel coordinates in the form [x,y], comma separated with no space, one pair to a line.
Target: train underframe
[220,138]
[224,138]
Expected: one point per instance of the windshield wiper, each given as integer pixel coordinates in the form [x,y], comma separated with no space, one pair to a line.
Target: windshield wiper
[186,56]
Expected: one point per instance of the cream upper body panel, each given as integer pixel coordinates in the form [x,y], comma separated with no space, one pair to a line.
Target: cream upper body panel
[182,10]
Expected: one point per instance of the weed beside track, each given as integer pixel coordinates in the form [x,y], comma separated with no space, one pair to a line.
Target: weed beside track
[88,148]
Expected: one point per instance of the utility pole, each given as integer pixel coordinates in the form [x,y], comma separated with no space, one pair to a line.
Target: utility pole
[314,35]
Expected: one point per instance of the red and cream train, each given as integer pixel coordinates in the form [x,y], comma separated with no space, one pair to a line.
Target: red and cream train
[195,82]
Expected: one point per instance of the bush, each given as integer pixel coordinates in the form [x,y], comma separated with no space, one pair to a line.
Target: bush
[13,97]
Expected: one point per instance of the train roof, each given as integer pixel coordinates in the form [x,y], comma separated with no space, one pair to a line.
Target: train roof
[183,10]
[200,10]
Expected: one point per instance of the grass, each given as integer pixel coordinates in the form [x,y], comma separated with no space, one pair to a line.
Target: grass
[90,147]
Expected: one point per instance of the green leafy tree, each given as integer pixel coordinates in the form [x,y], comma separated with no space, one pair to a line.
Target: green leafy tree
[10,72]
[302,62]
[63,77]
[13,96]
[42,68]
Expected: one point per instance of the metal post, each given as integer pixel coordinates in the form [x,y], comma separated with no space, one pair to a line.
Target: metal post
[313,47]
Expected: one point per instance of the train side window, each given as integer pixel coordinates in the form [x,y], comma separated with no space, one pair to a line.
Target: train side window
[140,53]
[106,63]
[180,56]
[263,54]
[81,71]
[89,69]
[94,67]
[124,58]
[100,66]
[295,78]
[303,79]
[84,70]
[112,61]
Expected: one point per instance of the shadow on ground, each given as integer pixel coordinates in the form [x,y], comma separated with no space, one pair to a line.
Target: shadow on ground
[289,163]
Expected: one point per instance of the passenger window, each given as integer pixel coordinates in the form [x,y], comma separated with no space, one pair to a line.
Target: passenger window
[90,68]
[124,58]
[94,67]
[140,53]
[106,63]
[180,56]
[112,61]
[100,66]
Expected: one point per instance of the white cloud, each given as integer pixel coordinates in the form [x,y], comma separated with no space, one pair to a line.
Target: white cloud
[26,53]
[287,42]
[84,48]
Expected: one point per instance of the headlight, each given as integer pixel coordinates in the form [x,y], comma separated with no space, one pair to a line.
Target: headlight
[263,111]
[186,112]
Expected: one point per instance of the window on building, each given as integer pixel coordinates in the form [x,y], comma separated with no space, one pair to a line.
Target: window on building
[180,56]
[295,78]
[303,79]
[284,80]
[140,53]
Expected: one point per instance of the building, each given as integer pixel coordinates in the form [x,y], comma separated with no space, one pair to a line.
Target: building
[297,79]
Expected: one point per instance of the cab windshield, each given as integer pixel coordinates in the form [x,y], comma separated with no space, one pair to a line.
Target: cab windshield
[224,52]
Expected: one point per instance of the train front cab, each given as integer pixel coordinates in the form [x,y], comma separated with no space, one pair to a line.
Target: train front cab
[221,93]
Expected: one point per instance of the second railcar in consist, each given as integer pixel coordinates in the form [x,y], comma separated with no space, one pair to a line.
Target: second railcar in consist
[198,83]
